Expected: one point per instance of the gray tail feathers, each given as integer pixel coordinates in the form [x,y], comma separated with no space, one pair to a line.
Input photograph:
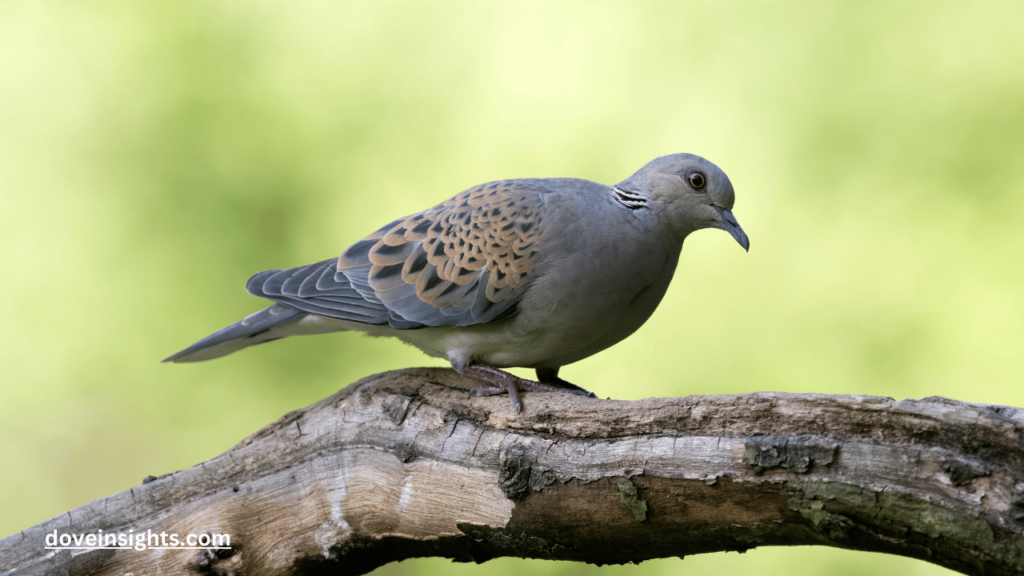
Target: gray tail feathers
[253,329]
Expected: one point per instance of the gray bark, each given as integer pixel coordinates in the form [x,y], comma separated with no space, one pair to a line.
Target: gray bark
[406,464]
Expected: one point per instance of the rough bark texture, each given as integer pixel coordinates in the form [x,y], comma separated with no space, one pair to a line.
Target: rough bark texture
[406,464]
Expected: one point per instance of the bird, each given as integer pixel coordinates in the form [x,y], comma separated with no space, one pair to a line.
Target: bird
[533,273]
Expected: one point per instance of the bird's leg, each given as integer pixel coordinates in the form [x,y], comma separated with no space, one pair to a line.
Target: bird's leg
[550,376]
[502,382]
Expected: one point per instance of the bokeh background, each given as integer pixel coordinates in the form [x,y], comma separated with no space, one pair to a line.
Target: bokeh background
[153,155]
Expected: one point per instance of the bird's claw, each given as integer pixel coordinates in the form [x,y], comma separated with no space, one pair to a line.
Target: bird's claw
[510,389]
[581,392]
[501,382]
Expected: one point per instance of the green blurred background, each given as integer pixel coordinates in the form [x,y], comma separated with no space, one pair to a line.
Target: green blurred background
[154,155]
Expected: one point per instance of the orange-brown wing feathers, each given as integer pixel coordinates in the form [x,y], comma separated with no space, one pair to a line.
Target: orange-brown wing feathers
[462,262]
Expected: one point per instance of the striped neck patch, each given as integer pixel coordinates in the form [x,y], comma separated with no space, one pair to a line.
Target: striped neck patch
[631,200]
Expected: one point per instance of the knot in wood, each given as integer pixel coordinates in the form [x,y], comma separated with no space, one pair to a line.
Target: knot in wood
[794,453]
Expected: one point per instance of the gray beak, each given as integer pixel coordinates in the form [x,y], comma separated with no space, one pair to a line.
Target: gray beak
[730,225]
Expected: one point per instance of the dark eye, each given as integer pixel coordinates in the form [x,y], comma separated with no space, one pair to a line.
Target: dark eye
[696,180]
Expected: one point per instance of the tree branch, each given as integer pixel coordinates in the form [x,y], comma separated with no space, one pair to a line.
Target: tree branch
[405,464]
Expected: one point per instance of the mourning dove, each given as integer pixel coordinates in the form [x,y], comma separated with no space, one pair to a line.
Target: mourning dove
[534,273]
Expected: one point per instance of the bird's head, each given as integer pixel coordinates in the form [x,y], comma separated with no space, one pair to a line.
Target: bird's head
[690,192]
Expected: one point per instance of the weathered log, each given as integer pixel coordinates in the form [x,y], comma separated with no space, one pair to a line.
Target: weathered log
[406,464]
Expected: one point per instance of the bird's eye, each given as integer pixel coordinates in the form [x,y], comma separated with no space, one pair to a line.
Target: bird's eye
[696,180]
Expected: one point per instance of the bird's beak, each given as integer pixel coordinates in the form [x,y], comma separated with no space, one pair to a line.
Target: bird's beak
[729,224]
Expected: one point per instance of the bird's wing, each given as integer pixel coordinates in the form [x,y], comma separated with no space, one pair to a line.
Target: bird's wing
[318,289]
[466,261]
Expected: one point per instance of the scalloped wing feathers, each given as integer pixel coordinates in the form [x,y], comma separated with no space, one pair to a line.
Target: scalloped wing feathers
[463,262]
[466,261]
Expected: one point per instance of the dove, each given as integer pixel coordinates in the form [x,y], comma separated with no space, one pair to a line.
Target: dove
[533,273]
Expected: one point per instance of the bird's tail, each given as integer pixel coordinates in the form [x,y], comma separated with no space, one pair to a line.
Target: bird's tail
[257,328]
